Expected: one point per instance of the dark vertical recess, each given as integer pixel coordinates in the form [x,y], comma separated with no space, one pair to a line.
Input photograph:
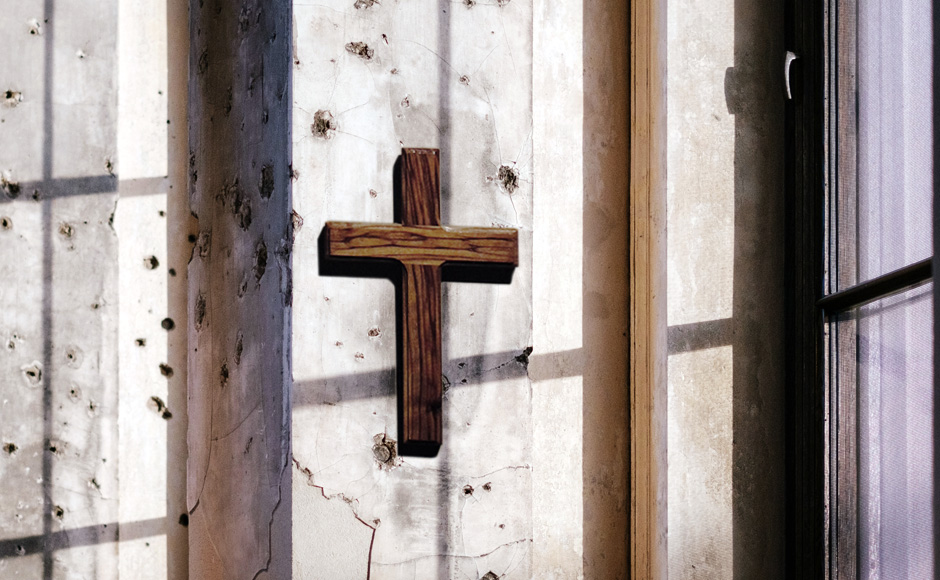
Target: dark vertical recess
[936,287]
[47,125]
[805,180]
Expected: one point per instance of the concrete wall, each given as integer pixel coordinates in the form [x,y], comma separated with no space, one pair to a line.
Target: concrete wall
[531,479]
[92,426]
[725,291]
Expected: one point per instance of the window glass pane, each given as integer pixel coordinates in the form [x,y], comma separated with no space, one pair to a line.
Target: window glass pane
[889,225]
[891,351]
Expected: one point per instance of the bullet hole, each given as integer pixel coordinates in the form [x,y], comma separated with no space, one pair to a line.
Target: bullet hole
[468,490]
[93,483]
[95,306]
[203,244]
[32,373]
[239,348]
[6,223]
[223,375]
[394,71]
[151,262]
[323,125]
[11,345]
[508,177]
[487,486]
[80,54]
[523,357]
[502,3]
[266,187]
[376,522]
[191,238]
[296,220]
[157,405]
[203,64]
[502,526]
[373,193]
[161,213]
[12,98]
[261,260]
[326,299]
[65,230]
[243,286]
[461,365]
[360,49]
[374,332]
[359,356]
[490,576]
[74,357]
[56,447]
[141,342]
[200,317]
[406,102]
[171,271]
[385,451]
[184,520]
[360,4]
[228,101]
[35,27]
[109,166]
[75,394]
[464,80]
[58,512]
[167,324]
[10,188]
[339,344]
[469,3]
[240,205]
[37,195]
[92,408]
[10,448]
[166,370]
[20,550]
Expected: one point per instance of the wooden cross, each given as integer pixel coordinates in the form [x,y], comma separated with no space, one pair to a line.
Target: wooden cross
[421,245]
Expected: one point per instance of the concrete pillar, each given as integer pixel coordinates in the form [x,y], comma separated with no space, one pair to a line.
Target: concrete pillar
[240,292]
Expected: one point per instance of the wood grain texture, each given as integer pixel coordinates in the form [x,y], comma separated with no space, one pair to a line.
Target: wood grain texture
[422,246]
[421,359]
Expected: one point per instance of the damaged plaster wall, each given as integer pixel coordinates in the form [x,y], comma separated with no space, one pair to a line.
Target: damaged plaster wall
[92,421]
[725,290]
[370,78]
[239,495]
[59,298]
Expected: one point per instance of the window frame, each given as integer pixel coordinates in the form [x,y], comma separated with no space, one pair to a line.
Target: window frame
[810,429]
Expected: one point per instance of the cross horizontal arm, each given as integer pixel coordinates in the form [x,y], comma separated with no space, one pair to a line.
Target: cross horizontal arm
[423,244]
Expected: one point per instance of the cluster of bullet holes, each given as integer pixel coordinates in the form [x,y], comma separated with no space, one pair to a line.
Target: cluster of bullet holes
[508,177]
[323,125]
[6,223]
[12,98]
[157,405]
[385,451]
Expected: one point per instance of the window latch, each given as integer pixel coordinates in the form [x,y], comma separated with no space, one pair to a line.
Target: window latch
[791,56]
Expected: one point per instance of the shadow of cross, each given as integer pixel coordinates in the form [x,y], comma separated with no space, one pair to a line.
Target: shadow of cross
[421,245]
